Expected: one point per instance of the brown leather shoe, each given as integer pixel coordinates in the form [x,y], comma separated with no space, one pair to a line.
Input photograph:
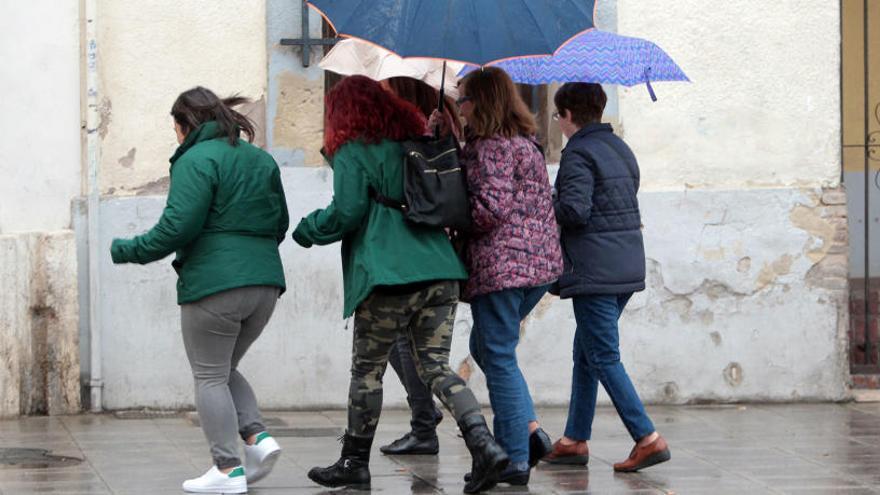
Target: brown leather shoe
[643,457]
[576,454]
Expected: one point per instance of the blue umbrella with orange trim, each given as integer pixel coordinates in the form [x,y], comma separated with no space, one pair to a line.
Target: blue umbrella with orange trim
[471,31]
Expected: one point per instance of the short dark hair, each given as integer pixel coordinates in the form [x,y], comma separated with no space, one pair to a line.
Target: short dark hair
[585,101]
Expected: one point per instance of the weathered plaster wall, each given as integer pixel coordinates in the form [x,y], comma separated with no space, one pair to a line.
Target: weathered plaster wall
[745,231]
[149,52]
[40,162]
[763,109]
[40,121]
[38,324]
[743,304]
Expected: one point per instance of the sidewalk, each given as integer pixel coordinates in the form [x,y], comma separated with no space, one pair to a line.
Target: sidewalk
[750,449]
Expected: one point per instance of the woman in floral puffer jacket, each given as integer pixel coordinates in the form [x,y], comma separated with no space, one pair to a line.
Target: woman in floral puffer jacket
[513,252]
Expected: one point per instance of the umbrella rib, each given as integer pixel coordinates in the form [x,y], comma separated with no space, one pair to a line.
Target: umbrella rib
[540,29]
[474,13]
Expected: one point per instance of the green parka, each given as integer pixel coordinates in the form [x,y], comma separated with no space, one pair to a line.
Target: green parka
[379,247]
[225,216]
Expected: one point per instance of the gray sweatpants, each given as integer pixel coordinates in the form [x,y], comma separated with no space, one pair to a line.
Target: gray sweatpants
[217,331]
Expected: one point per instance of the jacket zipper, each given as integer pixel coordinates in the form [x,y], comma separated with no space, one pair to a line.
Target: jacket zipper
[438,172]
[429,160]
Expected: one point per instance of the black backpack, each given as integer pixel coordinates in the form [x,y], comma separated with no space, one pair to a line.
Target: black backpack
[434,185]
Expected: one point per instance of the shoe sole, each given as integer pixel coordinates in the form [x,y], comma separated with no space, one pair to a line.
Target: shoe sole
[215,491]
[571,460]
[518,480]
[359,487]
[491,478]
[423,452]
[347,486]
[266,467]
[651,460]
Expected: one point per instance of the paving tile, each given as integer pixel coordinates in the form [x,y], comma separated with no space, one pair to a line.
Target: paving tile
[800,448]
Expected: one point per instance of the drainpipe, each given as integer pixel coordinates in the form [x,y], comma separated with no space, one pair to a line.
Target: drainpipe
[96,382]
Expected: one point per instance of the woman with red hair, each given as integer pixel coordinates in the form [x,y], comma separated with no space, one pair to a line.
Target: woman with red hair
[398,278]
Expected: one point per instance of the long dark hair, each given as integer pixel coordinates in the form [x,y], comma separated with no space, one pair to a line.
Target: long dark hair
[196,106]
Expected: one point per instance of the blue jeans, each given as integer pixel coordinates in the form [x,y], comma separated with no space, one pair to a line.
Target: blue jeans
[597,359]
[494,338]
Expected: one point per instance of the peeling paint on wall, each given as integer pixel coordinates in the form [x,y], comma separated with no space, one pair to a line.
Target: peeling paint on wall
[158,186]
[256,111]
[127,161]
[733,374]
[812,221]
[105,117]
[772,271]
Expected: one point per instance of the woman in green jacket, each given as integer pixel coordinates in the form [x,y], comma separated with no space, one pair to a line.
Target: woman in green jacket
[398,278]
[225,216]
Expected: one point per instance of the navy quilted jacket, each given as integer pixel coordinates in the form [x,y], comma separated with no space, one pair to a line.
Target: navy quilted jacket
[596,205]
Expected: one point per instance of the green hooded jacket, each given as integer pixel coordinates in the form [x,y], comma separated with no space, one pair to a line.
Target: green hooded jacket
[379,247]
[225,216]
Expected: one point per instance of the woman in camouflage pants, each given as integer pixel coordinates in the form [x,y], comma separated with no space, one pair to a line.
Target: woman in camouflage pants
[398,278]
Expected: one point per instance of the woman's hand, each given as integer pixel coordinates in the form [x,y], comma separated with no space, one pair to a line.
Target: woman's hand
[439,119]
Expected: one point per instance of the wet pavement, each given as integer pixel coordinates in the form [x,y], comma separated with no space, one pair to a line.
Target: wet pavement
[746,449]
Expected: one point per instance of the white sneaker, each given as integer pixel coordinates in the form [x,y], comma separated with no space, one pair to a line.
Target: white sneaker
[259,458]
[216,482]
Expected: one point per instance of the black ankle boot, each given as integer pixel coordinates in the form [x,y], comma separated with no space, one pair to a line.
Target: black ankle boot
[352,470]
[489,459]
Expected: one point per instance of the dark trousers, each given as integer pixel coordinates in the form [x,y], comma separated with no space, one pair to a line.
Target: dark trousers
[425,414]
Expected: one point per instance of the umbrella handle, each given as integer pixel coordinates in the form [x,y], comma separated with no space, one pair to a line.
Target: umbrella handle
[648,83]
[440,103]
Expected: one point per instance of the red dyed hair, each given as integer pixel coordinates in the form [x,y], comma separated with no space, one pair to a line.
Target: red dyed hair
[357,108]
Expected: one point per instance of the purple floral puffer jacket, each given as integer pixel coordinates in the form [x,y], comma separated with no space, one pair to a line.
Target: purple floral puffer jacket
[515,240]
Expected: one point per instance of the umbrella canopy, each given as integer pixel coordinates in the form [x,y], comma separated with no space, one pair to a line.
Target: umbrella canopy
[353,56]
[599,57]
[471,31]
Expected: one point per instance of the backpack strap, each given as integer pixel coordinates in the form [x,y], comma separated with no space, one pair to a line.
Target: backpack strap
[385,201]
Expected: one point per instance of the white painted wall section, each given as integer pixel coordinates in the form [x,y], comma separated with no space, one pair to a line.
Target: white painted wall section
[40,122]
[763,109]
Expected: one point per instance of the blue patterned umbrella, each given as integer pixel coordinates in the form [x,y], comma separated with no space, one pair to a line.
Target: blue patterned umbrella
[599,57]
[469,31]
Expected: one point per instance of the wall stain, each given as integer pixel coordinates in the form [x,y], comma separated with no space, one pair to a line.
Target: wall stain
[733,374]
[127,161]
[670,391]
[105,117]
[156,187]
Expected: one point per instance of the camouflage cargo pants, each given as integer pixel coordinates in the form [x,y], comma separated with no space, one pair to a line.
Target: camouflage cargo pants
[426,317]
